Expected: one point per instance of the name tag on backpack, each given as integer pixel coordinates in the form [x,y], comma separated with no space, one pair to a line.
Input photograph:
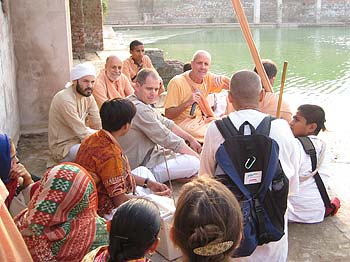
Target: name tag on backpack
[252,177]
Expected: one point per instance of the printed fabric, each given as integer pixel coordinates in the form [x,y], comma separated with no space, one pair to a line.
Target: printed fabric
[101,254]
[61,222]
[102,156]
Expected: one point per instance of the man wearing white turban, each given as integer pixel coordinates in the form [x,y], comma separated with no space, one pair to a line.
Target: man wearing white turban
[73,114]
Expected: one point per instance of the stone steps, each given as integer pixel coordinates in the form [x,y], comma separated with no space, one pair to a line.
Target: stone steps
[123,12]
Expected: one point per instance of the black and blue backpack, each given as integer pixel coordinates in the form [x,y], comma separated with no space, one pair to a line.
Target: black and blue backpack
[249,166]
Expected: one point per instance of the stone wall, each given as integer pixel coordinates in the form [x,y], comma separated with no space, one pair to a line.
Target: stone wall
[93,25]
[221,11]
[77,28]
[9,111]
[42,44]
[86,26]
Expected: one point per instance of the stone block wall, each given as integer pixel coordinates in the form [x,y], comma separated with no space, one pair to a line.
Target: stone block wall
[221,11]
[303,11]
[335,11]
[268,11]
[86,26]
[93,22]
[9,111]
[77,28]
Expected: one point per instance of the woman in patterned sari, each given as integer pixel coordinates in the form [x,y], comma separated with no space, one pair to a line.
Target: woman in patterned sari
[61,222]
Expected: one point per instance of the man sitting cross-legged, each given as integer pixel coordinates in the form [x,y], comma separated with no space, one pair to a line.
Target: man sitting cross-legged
[73,115]
[103,157]
[111,82]
[186,100]
[151,134]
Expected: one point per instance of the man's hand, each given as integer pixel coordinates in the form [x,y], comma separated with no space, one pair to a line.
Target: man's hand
[194,98]
[161,86]
[222,80]
[159,188]
[195,145]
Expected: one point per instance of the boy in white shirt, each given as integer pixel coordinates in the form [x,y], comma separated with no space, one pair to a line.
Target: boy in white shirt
[307,205]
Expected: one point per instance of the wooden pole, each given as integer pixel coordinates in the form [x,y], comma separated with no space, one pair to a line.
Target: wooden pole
[284,73]
[251,44]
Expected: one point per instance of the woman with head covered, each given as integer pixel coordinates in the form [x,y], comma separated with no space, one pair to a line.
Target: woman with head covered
[61,222]
[15,177]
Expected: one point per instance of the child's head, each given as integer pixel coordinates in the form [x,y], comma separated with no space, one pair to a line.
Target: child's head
[207,222]
[116,113]
[308,120]
[137,50]
[134,230]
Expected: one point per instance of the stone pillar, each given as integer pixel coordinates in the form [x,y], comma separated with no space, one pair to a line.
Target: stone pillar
[318,11]
[77,28]
[9,111]
[42,44]
[279,12]
[257,11]
[93,24]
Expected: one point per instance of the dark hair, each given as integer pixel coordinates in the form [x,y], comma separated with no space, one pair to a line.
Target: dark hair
[270,68]
[116,113]
[134,228]
[207,213]
[144,73]
[187,67]
[135,43]
[313,114]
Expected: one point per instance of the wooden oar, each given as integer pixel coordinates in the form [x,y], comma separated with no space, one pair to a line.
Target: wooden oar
[250,41]
[284,73]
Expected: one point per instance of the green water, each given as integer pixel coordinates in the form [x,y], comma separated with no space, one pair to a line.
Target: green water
[318,58]
[318,65]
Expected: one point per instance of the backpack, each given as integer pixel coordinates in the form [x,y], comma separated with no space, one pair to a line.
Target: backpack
[333,205]
[249,166]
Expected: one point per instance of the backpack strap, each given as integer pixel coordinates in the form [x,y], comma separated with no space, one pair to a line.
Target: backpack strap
[265,125]
[226,127]
[310,150]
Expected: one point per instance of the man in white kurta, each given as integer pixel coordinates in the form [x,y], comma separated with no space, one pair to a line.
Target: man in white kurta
[245,93]
[73,115]
[307,205]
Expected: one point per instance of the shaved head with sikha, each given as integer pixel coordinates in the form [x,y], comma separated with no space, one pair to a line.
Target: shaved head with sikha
[245,90]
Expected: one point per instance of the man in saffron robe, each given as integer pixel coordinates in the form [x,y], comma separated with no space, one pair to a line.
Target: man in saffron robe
[268,104]
[190,90]
[111,82]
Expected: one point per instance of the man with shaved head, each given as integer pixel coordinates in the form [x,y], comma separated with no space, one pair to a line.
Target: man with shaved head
[186,101]
[111,82]
[269,102]
[245,95]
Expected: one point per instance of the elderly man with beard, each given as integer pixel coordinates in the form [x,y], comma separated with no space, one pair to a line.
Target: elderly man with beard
[111,82]
[73,114]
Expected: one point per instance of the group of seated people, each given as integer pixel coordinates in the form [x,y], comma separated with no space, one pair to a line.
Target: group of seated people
[109,144]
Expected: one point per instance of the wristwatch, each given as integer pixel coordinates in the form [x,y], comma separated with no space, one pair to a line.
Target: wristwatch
[145,183]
